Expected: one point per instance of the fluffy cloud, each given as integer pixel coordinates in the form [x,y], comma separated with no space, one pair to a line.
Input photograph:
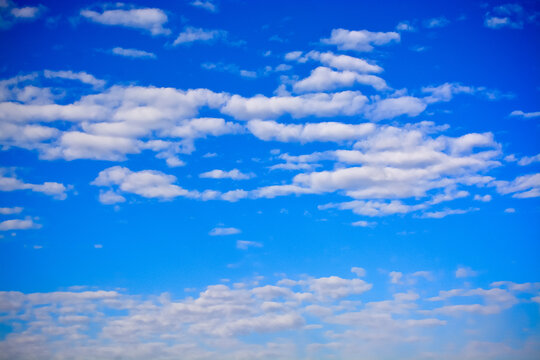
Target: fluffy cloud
[11,14]
[244,244]
[324,131]
[526,115]
[233,174]
[18,224]
[148,19]
[192,34]
[339,62]
[343,315]
[464,272]
[12,183]
[221,231]
[324,79]
[145,183]
[205,4]
[525,186]
[79,76]
[507,15]
[9,211]
[362,40]
[133,53]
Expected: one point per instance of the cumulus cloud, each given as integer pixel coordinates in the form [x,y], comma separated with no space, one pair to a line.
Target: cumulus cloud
[9,182]
[216,321]
[324,79]
[526,115]
[81,76]
[205,4]
[436,22]
[148,19]
[464,272]
[10,211]
[525,186]
[11,13]
[145,183]
[233,174]
[133,53]
[222,231]
[506,15]
[192,34]
[18,224]
[339,62]
[244,244]
[362,40]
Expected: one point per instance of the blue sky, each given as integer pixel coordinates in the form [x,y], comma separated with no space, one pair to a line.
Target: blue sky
[269,180]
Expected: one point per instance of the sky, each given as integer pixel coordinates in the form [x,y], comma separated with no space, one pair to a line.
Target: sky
[203,179]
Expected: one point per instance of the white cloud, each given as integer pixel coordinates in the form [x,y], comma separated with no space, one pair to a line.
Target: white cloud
[464,272]
[395,277]
[28,12]
[444,213]
[11,183]
[244,244]
[79,76]
[316,104]
[110,197]
[394,107]
[149,19]
[362,40]
[18,224]
[324,79]
[10,211]
[323,131]
[222,231]
[205,4]
[10,14]
[405,26]
[233,174]
[510,210]
[192,34]
[133,53]
[526,186]
[484,198]
[436,22]
[527,160]
[507,15]
[360,272]
[145,183]
[216,322]
[364,223]
[524,114]
[339,62]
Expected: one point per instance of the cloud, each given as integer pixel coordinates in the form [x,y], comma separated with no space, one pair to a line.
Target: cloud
[11,183]
[10,211]
[222,231]
[18,224]
[436,22]
[323,131]
[316,104]
[205,4]
[484,198]
[465,272]
[360,272]
[395,277]
[405,26]
[362,40]
[524,114]
[133,53]
[233,174]
[339,62]
[343,315]
[324,79]
[10,14]
[244,244]
[145,183]
[394,107]
[363,223]
[148,19]
[507,15]
[527,160]
[192,34]
[445,212]
[79,76]
[525,186]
